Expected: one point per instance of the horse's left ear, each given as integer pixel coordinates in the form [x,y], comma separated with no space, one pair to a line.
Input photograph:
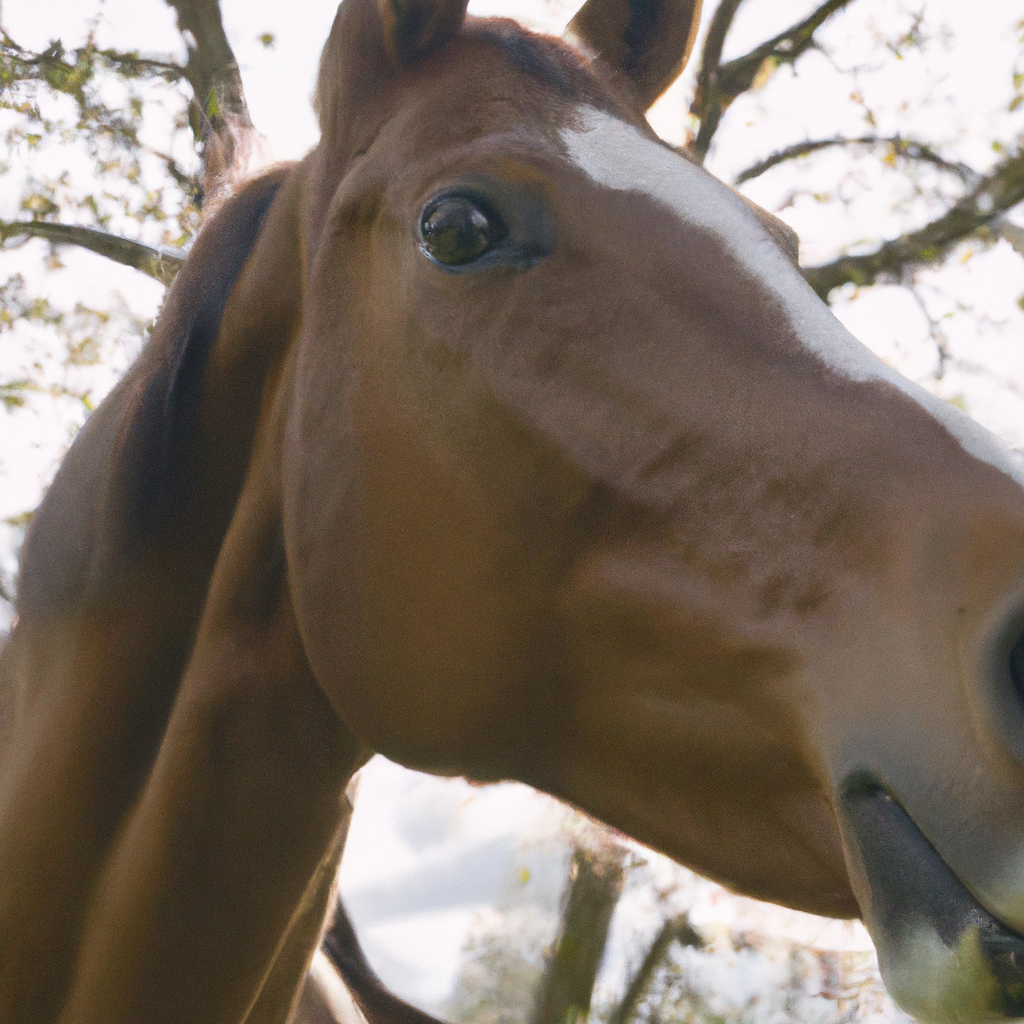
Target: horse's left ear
[414,27]
[646,42]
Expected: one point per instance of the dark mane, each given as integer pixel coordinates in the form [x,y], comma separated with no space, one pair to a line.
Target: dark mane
[197,324]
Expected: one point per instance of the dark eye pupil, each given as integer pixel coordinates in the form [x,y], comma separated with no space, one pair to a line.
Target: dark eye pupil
[457,231]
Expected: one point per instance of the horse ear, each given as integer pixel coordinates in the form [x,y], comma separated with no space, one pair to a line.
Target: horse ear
[414,27]
[646,42]
[369,41]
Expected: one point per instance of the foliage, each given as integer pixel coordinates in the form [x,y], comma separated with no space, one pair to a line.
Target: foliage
[118,121]
[719,83]
[96,103]
[504,962]
[889,194]
[86,337]
[741,978]
[87,114]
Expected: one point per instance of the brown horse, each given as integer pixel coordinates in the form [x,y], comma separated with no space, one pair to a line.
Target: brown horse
[497,437]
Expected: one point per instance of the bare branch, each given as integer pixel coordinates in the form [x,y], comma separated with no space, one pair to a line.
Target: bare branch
[719,84]
[189,184]
[935,329]
[906,149]
[1011,232]
[218,113]
[996,193]
[704,106]
[676,929]
[159,263]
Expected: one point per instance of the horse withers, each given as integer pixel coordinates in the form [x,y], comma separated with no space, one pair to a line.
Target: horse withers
[497,437]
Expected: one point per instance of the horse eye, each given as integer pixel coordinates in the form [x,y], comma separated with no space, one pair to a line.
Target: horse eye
[456,231]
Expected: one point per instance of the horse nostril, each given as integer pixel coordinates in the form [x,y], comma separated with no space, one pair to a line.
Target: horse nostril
[1017,667]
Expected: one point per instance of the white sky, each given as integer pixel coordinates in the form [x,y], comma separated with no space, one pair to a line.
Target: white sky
[953,94]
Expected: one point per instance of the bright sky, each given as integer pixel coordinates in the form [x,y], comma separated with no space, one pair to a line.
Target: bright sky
[954,93]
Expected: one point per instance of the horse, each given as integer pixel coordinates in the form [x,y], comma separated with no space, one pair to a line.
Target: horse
[497,437]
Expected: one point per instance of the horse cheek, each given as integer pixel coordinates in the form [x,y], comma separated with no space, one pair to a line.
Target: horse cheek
[399,558]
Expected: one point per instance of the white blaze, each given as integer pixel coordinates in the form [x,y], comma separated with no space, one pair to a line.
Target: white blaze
[618,156]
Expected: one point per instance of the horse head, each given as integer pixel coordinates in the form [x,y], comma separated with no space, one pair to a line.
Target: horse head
[515,446]
[623,511]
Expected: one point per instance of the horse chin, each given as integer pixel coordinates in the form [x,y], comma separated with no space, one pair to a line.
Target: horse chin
[943,956]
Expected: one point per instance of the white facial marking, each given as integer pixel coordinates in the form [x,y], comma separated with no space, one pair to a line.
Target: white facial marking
[618,156]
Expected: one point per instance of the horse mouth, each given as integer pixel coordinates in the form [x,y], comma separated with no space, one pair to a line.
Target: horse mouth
[943,956]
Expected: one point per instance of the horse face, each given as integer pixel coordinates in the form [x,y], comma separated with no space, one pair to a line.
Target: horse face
[588,489]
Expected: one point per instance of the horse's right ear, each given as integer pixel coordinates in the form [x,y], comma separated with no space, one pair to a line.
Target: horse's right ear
[644,42]
[371,40]
[414,27]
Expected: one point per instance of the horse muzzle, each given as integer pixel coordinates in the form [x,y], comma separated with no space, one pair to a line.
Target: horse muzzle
[943,956]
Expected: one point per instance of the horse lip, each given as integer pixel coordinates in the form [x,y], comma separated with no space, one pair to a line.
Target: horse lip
[943,956]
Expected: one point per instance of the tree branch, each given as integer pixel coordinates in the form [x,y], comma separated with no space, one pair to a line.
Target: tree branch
[1011,232]
[676,929]
[705,106]
[218,114]
[159,263]
[994,194]
[897,145]
[719,84]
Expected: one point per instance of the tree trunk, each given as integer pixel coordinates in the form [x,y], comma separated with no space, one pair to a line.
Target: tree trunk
[595,886]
